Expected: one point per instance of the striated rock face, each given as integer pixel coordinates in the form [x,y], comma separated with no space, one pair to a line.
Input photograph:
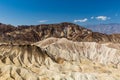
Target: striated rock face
[34,33]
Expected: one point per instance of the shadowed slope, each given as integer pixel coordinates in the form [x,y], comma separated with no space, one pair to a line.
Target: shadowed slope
[22,55]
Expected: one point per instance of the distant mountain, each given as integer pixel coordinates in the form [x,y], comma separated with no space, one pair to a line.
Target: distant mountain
[105,28]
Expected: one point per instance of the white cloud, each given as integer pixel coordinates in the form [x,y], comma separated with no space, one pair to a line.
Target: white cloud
[42,21]
[103,18]
[92,17]
[81,20]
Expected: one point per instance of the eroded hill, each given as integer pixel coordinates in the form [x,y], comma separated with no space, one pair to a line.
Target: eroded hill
[62,51]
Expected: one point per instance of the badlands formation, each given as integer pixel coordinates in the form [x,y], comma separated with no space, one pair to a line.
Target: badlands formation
[60,59]
[58,53]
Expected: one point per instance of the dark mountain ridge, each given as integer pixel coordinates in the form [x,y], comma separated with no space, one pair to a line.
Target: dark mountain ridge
[33,33]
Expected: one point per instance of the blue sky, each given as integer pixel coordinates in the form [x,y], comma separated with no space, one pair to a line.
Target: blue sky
[32,12]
